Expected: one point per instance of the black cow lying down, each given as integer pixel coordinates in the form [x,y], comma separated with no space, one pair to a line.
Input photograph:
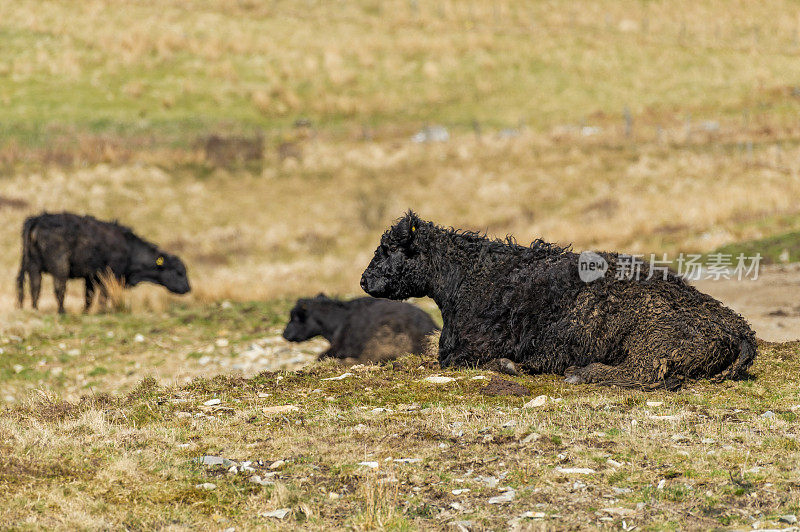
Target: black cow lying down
[363,330]
[69,246]
[528,304]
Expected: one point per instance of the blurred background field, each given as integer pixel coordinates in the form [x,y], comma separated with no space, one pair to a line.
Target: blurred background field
[270,143]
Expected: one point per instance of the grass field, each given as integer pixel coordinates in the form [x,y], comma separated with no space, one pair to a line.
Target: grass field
[709,456]
[641,127]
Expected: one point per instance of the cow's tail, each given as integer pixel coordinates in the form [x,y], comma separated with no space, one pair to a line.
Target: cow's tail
[25,259]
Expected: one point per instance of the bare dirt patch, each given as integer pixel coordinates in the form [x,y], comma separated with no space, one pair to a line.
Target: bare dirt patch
[499,386]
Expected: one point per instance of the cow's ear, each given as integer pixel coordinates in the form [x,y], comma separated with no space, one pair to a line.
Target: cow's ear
[408,229]
[322,295]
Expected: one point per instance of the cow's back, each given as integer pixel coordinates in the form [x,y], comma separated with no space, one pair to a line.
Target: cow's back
[82,245]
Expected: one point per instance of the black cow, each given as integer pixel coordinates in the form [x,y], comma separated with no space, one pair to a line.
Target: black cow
[365,329]
[529,304]
[69,246]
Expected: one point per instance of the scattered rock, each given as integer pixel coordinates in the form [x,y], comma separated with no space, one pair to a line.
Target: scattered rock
[790,519]
[340,377]
[575,470]
[532,437]
[277,464]
[277,514]
[613,463]
[654,404]
[212,402]
[508,496]
[619,512]
[492,482]
[256,479]
[462,526]
[280,409]
[371,465]
[460,491]
[536,402]
[498,386]
[139,338]
[222,342]
[431,134]
[769,414]
[211,461]
[438,379]
[206,486]
[408,460]
[480,378]
[621,491]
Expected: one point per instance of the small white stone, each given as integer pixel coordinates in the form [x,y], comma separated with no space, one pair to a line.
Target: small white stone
[371,465]
[507,496]
[536,402]
[206,486]
[613,463]
[480,378]
[212,402]
[438,379]
[532,437]
[277,464]
[340,377]
[654,404]
[278,514]
[460,491]
[222,342]
[280,409]
[575,470]
[139,338]
[256,479]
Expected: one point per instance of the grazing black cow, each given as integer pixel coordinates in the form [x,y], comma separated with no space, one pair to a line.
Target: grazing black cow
[69,246]
[529,304]
[364,329]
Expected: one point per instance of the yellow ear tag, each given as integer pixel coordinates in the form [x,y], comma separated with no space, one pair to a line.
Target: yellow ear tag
[160,261]
[413,228]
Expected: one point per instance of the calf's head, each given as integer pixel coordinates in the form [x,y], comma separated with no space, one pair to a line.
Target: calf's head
[160,268]
[398,269]
[304,322]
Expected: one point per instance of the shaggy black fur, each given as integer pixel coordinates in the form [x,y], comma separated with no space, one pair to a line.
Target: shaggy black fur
[365,329]
[69,246]
[528,304]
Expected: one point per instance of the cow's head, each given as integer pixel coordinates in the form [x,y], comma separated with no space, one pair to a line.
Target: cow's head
[398,269]
[303,323]
[160,268]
